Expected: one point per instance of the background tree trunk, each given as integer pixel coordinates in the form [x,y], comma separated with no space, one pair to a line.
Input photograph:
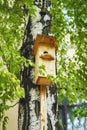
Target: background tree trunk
[29,107]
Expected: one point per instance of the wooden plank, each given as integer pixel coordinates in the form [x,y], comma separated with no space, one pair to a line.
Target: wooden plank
[43,108]
[43,80]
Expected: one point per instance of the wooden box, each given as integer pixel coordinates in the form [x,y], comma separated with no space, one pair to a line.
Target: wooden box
[44,51]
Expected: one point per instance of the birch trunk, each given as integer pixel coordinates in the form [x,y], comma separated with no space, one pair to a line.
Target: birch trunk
[29,107]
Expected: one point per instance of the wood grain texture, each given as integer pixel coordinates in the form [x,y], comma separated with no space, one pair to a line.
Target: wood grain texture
[43,108]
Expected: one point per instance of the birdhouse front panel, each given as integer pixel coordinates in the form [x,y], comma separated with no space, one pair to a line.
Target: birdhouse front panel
[44,65]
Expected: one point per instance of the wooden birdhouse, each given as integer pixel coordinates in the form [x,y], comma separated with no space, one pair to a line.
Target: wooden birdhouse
[44,51]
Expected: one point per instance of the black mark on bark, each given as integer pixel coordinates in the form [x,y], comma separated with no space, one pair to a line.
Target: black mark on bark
[49,124]
[37,108]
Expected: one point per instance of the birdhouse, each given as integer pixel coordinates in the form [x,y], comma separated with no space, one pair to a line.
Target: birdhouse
[44,51]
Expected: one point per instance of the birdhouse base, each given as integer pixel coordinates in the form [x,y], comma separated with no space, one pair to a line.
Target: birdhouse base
[43,81]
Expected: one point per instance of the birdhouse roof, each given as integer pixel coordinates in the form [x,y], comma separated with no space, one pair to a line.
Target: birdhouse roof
[43,40]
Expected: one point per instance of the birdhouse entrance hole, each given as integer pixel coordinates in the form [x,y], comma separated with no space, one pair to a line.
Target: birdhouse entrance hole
[45,52]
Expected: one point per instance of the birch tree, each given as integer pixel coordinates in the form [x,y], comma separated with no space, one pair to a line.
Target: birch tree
[29,108]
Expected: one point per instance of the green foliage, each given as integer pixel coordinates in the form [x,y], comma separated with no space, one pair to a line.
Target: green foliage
[70,18]
[5,121]
[42,69]
[60,125]
[80,112]
[51,77]
[59,25]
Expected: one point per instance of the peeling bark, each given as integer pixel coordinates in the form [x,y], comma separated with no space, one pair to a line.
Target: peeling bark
[29,107]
